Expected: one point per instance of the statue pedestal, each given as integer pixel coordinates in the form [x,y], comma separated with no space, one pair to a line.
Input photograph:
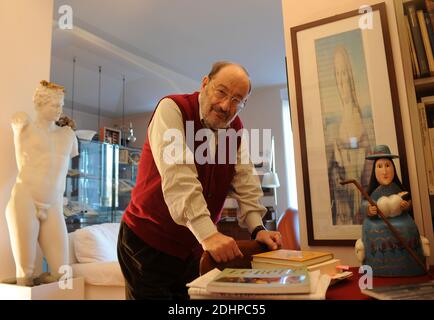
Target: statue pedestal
[49,291]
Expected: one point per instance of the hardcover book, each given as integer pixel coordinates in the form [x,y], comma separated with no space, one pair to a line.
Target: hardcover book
[425,40]
[430,9]
[257,281]
[426,142]
[326,267]
[293,258]
[417,38]
[414,63]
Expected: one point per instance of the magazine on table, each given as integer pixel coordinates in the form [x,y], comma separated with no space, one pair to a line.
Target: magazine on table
[413,291]
[197,289]
[261,281]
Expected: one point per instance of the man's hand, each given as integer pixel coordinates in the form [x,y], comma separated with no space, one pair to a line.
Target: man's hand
[222,248]
[273,239]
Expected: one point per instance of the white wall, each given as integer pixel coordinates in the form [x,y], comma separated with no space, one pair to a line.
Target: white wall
[25,30]
[296,14]
[88,121]
[264,111]
[140,123]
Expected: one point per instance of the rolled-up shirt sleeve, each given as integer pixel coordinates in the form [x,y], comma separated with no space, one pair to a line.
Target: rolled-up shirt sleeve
[182,191]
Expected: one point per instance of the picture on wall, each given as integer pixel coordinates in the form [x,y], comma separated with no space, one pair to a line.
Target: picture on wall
[347,102]
[347,120]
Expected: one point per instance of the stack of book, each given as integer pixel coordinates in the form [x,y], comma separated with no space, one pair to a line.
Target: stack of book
[275,284]
[311,260]
[261,281]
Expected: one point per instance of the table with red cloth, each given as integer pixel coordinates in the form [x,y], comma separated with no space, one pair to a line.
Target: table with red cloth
[348,289]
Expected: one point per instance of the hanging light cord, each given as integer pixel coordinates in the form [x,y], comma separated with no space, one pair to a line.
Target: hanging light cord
[123,102]
[73,88]
[99,98]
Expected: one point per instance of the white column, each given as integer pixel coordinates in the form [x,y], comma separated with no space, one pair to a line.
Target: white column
[25,30]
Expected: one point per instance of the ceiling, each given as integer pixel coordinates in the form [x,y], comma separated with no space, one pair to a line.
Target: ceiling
[161,47]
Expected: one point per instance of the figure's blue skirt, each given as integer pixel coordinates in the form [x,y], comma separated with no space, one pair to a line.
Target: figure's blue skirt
[383,251]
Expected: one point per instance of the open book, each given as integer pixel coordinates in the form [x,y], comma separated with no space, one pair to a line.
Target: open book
[318,288]
[261,281]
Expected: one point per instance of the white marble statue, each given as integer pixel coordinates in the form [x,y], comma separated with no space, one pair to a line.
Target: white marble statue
[34,212]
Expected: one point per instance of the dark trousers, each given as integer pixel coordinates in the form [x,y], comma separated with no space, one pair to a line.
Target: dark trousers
[152,274]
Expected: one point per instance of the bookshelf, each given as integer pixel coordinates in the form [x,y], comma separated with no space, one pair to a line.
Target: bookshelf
[417,86]
[424,86]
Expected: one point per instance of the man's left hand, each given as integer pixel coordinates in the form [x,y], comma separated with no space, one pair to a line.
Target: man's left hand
[273,239]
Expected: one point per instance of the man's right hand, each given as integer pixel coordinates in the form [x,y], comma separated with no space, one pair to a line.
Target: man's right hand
[222,248]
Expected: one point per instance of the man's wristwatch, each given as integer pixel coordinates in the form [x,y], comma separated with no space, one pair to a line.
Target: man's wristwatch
[255,232]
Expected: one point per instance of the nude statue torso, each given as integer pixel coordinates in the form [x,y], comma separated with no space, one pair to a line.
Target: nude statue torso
[43,159]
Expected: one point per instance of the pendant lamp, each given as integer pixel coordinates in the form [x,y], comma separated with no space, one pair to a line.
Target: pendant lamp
[99,98]
[131,137]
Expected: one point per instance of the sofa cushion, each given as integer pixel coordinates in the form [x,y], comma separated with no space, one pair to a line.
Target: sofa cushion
[100,274]
[71,251]
[96,243]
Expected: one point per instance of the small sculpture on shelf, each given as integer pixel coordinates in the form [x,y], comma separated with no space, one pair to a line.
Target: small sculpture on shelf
[387,253]
[34,213]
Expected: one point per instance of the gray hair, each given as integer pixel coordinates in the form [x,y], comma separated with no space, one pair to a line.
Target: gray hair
[217,66]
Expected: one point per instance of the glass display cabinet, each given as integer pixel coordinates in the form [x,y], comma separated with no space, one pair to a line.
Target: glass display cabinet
[99,183]
[128,165]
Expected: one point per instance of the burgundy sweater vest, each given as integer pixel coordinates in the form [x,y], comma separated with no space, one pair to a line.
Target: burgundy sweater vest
[147,214]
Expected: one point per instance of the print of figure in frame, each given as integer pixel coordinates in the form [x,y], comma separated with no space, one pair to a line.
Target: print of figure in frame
[347,120]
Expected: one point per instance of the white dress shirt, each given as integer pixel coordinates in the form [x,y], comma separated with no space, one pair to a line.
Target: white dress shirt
[182,190]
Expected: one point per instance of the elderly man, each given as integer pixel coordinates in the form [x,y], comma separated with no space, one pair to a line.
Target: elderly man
[176,204]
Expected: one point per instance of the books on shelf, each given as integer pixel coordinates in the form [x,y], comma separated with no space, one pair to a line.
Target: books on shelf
[261,281]
[293,258]
[414,63]
[429,4]
[416,34]
[413,291]
[431,139]
[427,146]
[197,289]
[430,29]
[426,40]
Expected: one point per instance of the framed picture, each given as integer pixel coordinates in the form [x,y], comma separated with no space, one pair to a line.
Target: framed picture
[124,156]
[347,102]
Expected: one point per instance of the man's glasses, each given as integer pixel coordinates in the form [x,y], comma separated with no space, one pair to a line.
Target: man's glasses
[221,94]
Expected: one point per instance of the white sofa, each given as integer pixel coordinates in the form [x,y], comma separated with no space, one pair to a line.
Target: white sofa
[92,255]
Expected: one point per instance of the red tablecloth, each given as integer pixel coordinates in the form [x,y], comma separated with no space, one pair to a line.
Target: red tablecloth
[348,289]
